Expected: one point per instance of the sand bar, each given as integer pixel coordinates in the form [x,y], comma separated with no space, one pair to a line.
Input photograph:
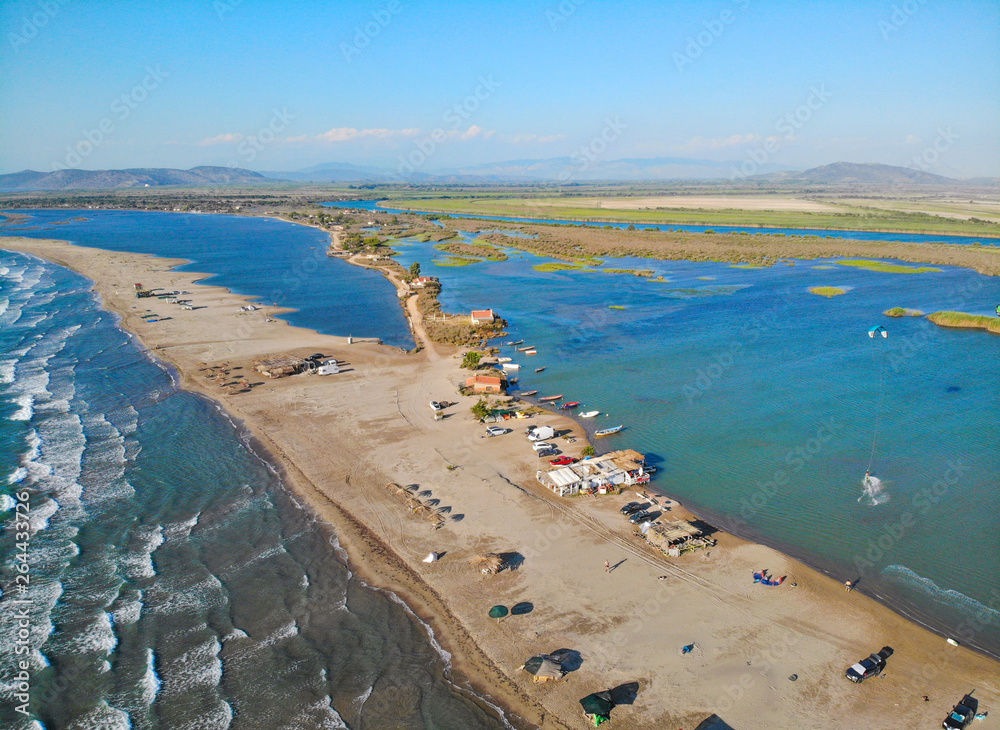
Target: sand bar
[341,438]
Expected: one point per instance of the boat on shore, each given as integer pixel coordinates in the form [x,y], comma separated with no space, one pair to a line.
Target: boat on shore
[590,414]
[538,370]
[572,404]
[608,431]
[504,359]
[551,397]
[529,392]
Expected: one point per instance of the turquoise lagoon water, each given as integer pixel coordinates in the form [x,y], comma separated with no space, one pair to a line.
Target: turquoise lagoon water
[759,402]
[173,581]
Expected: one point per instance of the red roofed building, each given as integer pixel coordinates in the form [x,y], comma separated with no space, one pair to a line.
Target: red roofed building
[421,281]
[484,384]
[480,316]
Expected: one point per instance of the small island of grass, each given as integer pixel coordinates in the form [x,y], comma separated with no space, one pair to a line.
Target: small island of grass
[556,266]
[887,268]
[827,291]
[615,306]
[456,261]
[903,312]
[965,320]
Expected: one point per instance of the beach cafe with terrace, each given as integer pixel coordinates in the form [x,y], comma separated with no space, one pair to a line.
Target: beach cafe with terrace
[609,473]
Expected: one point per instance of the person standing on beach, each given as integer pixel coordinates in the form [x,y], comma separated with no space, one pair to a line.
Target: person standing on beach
[848,585]
[607,566]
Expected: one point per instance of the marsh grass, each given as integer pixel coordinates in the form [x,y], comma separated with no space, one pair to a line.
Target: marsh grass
[887,268]
[965,320]
[827,291]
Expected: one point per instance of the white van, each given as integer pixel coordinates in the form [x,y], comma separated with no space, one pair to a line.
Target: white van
[540,433]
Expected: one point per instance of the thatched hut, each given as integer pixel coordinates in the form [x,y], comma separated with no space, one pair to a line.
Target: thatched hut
[668,534]
[489,563]
[279,367]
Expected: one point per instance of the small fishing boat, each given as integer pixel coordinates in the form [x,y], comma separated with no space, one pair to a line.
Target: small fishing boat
[529,392]
[551,397]
[510,366]
[526,348]
[514,343]
[531,352]
[572,404]
[608,431]
[590,414]
[538,370]
[504,359]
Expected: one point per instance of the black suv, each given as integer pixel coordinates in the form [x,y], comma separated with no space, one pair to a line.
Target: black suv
[869,667]
[631,508]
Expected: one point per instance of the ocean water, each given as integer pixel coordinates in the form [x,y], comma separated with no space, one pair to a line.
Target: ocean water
[763,405]
[173,582]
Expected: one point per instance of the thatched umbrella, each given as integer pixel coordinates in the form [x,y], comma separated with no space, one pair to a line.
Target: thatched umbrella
[490,563]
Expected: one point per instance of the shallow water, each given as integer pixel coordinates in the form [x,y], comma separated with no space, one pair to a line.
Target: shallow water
[173,581]
[760,404]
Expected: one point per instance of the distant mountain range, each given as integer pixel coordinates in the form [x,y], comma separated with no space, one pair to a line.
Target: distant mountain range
[865,173]
[556,170]
[135,178]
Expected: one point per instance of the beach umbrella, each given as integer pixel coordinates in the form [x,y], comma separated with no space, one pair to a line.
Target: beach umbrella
[498,612]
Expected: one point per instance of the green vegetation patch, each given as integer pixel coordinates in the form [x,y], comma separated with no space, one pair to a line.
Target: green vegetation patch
[886,268]
[707,278]
[962,319]
[747,266]
[456,261]
[903,312]
[827,291]
[636,272]
[827,268]
[556,266]
[615,306]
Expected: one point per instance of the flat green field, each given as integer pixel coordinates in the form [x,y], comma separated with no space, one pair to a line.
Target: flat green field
[854,218]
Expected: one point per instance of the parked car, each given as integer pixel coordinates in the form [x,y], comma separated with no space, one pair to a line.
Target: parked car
[563,461]
[543,446]
[641,516]
[869,667]
[962,714]
[496,431]
[547,452]
[435,406]
[631,508]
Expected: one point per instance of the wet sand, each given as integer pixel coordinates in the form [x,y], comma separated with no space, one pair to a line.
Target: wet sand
[341,438]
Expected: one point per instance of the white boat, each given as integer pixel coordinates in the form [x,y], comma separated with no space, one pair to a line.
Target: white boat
[504,359]
[511,366]
[590,414]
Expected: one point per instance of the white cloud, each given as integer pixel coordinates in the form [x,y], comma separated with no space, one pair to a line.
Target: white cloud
[343,134]
[476,131]
[221,139]
[536,138]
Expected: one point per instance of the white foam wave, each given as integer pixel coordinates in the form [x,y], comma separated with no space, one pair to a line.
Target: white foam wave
[199,666]
[38,518]
[128,611]
[320,715]
[17,476]
[150,682]
[6,367]
[139,563]
[285,632]
[951,597]
[218,718]
[181,530]
[7,503]
[25,407]
[103,717]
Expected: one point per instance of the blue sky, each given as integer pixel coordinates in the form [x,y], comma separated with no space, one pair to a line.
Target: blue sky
[281,86]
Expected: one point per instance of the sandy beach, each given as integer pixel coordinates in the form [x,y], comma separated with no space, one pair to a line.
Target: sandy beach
[340,439]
